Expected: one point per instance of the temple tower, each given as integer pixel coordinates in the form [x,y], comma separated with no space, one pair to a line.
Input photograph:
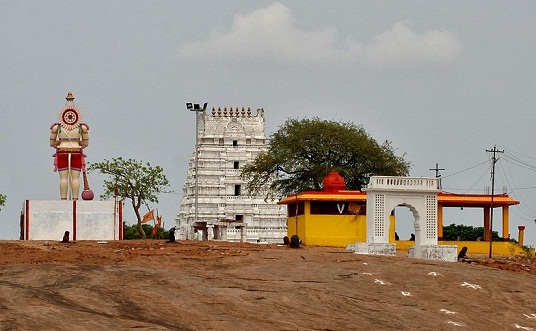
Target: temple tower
[228,140]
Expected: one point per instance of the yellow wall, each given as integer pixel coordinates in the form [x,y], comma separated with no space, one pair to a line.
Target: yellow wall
[342,230]
[328,230]
[335,230]
[473,247]
[482,247]
[291,226]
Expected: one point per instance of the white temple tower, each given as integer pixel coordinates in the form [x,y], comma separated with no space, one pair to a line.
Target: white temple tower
[228,140]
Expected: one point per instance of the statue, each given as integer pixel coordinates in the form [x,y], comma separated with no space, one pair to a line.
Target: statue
[69,137]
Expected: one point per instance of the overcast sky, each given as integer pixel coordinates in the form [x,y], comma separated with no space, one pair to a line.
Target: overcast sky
[442,80]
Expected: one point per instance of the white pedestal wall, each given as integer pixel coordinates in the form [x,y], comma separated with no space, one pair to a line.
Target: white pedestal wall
[85,220]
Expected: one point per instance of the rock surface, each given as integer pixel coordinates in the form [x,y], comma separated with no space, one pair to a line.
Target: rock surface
[189,285]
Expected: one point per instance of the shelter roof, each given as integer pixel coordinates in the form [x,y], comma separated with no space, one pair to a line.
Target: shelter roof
[475,200]
[445,199]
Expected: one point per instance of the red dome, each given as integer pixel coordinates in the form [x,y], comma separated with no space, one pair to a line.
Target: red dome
[334,182]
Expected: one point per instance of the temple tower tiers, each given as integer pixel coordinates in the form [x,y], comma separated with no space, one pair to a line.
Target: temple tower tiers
[228,140]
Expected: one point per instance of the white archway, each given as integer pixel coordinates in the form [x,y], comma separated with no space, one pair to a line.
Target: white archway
[385,193]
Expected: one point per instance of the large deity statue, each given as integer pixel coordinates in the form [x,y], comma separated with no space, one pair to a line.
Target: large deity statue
[69,137]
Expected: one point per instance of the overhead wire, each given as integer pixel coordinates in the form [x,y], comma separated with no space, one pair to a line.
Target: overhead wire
[522,211]
[464,170]
[477,181]
[465,190]
[510,158]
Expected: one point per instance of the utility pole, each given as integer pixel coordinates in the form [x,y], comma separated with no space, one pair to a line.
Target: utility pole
[494,160]
[197,109]
[437,175]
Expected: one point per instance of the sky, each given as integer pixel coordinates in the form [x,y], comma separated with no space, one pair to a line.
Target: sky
[444,81]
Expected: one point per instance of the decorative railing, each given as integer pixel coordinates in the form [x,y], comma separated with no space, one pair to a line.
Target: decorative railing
[403,183]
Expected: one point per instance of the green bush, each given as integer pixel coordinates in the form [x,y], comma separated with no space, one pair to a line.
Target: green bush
[131,232]
[529,252]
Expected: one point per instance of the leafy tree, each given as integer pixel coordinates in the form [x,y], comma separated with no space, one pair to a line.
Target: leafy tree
[130,179]
[2,200]
[462,232]
[302,152]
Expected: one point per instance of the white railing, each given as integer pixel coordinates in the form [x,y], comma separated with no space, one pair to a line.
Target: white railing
[269,234]
[405,183]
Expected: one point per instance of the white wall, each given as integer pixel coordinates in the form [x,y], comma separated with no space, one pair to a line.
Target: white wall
[93,220]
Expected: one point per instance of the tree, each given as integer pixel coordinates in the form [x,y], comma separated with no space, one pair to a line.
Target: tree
[462,232]
[132,180]
[302,152]
[2,200]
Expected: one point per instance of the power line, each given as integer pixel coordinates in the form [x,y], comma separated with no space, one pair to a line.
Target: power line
[464,170]
[506,173]
[509,178]
[465,189]
[476,182]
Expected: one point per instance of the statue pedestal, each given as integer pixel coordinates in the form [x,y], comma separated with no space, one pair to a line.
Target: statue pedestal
[85,220]
[372,248]
[447,253]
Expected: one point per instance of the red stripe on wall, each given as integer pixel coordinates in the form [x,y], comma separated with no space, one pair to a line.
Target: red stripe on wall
[74,220]
[27,220]
[120,207]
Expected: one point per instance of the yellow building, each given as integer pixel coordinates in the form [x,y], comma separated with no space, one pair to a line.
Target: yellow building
[337,217]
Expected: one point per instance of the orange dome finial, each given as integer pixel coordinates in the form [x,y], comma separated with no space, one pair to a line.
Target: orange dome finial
[334,182]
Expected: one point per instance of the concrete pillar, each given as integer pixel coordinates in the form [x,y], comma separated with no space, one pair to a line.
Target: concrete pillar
[486,223]
[439,222]
[223,230]
[521,237]
[210,232]
[182,233]
[243,234]
[505,225]
[200,235]
[392,227]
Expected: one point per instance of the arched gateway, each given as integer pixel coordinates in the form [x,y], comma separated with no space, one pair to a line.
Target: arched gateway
[385,193]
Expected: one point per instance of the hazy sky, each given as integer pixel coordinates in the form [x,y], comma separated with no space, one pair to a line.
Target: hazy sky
[443,80]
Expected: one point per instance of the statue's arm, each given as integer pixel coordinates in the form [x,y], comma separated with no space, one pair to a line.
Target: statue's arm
[85,135]
[53,135]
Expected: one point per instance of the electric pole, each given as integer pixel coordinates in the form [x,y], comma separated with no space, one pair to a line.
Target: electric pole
[437,175]
[494,160]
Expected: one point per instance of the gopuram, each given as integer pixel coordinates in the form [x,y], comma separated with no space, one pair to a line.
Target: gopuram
[68,216]
[228,138]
